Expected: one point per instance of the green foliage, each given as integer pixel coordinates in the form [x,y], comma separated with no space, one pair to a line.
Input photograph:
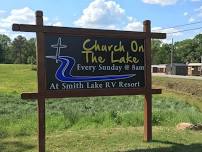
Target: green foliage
[188,90]
[160,52]
[19,51]
[30,53]
[19,118]
[116,117]
[2,56]
[4,47]
[184,51]
[71,116]
[188,50]
[23,50]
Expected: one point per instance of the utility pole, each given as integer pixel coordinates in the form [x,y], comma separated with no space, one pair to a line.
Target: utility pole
[201,67]
[171,58]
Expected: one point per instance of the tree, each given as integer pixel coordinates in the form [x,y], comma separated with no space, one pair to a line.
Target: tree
[160,52]
[4,47]
[19,49]
[2,56]
[189,50]
[155,49]
[30,54]
[164,54]
[198,46]
[183,50]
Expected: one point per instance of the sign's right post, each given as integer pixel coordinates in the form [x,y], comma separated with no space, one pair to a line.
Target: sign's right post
[148,83]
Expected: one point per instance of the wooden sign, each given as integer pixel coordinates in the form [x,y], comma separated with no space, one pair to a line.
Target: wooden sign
[76,62]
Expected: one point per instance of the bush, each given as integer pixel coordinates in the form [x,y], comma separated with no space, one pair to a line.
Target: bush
[116,117]
[133,119]
[158,118]
[71,116]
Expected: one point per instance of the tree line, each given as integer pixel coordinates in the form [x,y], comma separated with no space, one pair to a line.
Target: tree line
[185,51]
[17,51]
[21,50]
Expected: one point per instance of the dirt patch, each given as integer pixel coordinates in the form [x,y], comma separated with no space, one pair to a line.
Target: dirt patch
[185,125]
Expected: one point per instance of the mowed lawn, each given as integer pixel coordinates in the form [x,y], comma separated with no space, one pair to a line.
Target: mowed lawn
[98,123]
[165,139]
[17,78]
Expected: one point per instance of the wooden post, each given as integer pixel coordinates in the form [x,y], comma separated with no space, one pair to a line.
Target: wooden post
[41,83]
[148,95]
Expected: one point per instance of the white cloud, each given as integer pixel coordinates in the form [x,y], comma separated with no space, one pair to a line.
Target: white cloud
[185,14]
[196,15]
[107,14]
[170,31]
[2,12]
[191,19]
[58,23]
[102,14]
[2,30]
[21,16]
[198,9]
[133,25]
[161,2]
[24,15]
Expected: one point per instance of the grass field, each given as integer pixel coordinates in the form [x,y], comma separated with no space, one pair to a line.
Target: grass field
[166,139]
[99,123]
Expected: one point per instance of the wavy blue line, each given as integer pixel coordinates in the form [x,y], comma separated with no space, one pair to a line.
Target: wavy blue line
[63,73]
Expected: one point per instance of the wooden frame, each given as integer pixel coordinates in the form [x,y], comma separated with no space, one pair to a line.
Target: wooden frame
[42,93]
[89,93]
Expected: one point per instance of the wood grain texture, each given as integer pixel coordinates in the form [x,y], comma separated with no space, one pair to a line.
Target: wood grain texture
[85,32]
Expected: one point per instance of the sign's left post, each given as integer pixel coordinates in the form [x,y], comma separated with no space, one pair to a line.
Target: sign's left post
[41,82]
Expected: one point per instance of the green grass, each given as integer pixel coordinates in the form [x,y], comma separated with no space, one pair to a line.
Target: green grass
[166,139]
[17,78]
[19,117]
[189,91]
[183,86]
[97,123]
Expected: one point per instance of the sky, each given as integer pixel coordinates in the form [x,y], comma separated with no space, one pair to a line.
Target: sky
[106,14]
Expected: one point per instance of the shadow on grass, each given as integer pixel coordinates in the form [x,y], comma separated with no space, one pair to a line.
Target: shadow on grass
[174,147]
[15,146]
